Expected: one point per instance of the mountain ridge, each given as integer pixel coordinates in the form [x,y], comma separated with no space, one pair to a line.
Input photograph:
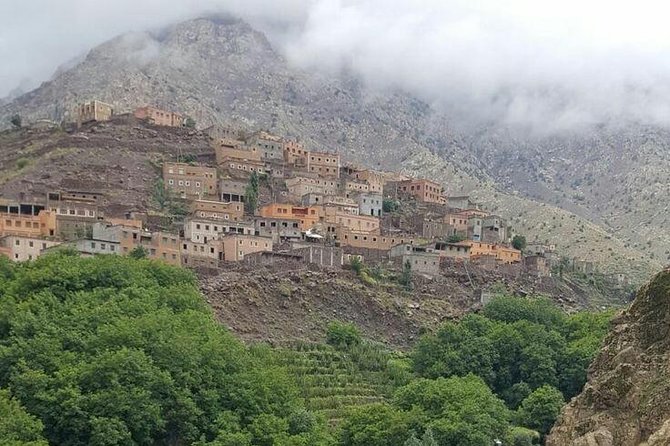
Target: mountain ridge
[223,71]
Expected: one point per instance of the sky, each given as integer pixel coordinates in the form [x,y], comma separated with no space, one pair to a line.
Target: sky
[557,64]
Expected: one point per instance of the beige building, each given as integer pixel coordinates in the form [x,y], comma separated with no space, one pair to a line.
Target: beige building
[20,249]
[202,254]
[94,111]
[295,155]
[188,181]
[236,246]
[423,262]
[157,116]
[218,210]
[300,186]
[425,191]
[158,245]
[202,230]
[324,164]
[346,237]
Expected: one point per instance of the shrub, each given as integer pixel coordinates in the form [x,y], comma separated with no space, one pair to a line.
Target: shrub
[342,334]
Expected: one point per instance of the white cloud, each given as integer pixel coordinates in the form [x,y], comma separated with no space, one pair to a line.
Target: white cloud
[549,64]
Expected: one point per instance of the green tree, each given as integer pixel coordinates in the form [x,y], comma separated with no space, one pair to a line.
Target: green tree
[342,334]
[17,427]
[455,238]
[115,351]
[540,410]
[519,242]
[189,122]
[390,205]
[16,121]
[139,252]
[251,194]
[161,194]
[375,425]
[406,275]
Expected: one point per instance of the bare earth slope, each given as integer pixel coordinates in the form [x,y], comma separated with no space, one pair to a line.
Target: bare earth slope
[626,401]
[223,71]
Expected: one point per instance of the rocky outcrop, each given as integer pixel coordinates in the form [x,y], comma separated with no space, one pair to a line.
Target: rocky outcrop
[626,401]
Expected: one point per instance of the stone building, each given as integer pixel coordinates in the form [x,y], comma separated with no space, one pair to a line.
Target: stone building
[308,216]
[300,186]
[157,116]
[232,190]
[189,181]
[269,147]
[279,229]
[201,230]
[217,210]
[295,155]
[94,111]
[423,262]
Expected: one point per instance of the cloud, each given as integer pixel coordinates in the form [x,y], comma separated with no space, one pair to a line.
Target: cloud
[544,65]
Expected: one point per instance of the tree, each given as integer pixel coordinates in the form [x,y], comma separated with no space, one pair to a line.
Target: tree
[161,194]
[390,205]
[16,121]
[189,122]
[455,238]
[540,410]
[114,351]
[17,427]
[251,194]
[139,252]
[375,425]
[342,334]
[406,275]
[519,242]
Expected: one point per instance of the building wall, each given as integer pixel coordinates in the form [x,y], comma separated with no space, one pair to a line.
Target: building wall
[270,147]
[189,181]
[94,111]
[201,255]
[92,247]
[235,247]
[307,215]
[295,154]
[278,229]
[20,249]
[423,262]
[159,117]
[359,223]
[458,251]
[202,230]
[425,191]
[325,164]
[300,186]
[232,190]
[370,204]
[218,210]
[346,237]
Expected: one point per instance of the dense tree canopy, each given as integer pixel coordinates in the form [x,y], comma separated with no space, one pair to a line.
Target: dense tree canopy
[113,350]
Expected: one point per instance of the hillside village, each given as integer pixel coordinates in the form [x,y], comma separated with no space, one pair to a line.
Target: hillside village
[267,199]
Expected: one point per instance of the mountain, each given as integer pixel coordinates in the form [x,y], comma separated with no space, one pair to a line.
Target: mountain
[220,70]
[625,401]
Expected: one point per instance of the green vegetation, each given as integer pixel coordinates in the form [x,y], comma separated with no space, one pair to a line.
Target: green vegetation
[165,200]
[519,242]
[189,123]
[16,121]
[456,238]
[390,205]
[117,351]
[251,194]
[124,351]
[22,163]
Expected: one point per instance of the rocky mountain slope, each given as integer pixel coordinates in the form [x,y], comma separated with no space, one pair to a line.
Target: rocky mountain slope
[223,71]
[625,402]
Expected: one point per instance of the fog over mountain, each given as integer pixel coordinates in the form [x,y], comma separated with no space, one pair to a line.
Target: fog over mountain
[540,65]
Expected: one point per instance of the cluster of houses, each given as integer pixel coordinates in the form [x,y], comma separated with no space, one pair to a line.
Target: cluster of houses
[314,209]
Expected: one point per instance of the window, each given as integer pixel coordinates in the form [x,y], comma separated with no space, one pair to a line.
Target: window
[197,184]
[17,242]
[181,182]
[30,244]
[103,246]
[170,182]
[188,183]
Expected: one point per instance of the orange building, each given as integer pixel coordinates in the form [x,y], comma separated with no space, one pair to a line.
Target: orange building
[324,164]
[500,252]
[356,223]
[26,220]
[308,215]
[189,181]
[157,116]
[218,210]
[422,190]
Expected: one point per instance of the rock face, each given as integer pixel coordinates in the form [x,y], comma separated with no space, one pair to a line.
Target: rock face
[626,401]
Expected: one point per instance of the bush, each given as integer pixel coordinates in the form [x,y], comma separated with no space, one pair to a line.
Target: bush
[16,121]
[519,242]
[342,334]
[21,163]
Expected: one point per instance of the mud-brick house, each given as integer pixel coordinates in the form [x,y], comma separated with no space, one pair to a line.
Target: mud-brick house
[324,164]
[93,111]
[537,265]
[424,191]
[20,249]
[157,116]
[189,181]
[269,146]
[236,246]
[308,216]
[423,262]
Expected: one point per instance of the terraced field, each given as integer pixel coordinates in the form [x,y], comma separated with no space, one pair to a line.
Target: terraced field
[334,381]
